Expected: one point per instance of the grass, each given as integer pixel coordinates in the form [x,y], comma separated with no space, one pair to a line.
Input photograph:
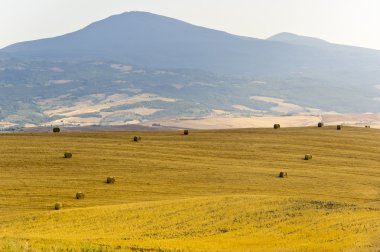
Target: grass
[209,191]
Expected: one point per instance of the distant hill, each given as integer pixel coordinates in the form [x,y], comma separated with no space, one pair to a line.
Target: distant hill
[298,40]
[146,39]
[201,71]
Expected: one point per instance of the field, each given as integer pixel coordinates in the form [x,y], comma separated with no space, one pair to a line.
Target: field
[214,190]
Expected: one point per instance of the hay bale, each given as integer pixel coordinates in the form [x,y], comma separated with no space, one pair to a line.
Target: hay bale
[68,155]
[339,127]
[283,174]
[110,180]
[58,206]
[308,156]
[368,126]
[56,130]
[320,124]
[276,126]
[79,195]
[136,138]
[186,132]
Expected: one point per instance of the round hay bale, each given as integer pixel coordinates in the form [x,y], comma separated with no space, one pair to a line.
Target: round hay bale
[56,130]
[283,174]
[58,206]
[136,138]
[320,124]
[186,132]
[368,126]
[110,180]
[308,156]
[276,126]
[339,127]
[79,195]
[68,155]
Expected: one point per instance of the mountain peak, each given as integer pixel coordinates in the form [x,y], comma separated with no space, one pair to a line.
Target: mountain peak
[295,39]
[137,14]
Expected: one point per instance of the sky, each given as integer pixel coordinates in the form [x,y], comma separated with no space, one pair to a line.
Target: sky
[350,22]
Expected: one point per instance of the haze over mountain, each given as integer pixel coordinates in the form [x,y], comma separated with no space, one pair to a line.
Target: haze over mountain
[188,70]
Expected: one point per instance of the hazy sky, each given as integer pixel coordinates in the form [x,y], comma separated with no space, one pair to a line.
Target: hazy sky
[353,22]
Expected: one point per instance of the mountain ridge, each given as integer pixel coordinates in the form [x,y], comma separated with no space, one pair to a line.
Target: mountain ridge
[278,37]
[146,39]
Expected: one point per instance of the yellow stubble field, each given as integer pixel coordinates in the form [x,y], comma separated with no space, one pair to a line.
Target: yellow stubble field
[214,190]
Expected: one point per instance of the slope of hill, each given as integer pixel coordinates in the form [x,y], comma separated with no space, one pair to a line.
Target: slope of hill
[208,191]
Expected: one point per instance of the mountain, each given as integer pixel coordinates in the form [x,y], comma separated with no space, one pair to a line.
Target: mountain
[137,66]
[146,39]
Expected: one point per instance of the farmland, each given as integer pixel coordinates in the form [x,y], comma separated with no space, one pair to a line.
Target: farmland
[212,190]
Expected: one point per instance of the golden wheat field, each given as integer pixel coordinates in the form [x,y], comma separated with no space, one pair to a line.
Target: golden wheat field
[215,190]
